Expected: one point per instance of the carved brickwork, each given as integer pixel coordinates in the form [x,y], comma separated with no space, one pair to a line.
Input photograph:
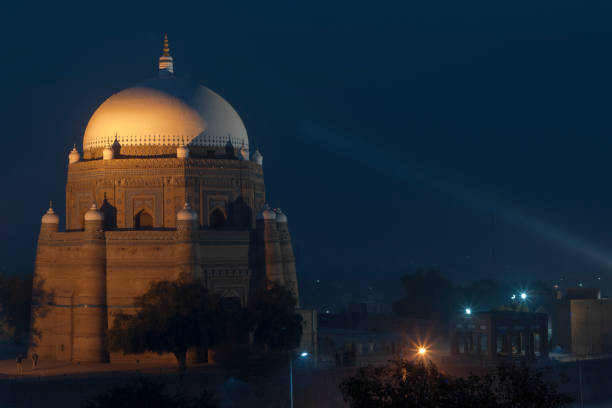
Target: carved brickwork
[96,272]
[169,150]
[162,186]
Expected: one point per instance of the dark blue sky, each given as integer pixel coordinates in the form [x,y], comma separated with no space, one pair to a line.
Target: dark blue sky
[392,134]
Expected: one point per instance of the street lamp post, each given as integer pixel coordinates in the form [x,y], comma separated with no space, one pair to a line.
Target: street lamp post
[291,378]
[303,354]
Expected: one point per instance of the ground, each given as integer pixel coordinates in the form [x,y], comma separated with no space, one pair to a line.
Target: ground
[8,369]
[66,385]
[69,385]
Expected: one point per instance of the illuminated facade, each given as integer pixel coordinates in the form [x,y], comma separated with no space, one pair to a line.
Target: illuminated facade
[165,185]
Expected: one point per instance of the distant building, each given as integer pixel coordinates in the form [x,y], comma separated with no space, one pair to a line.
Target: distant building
[583,322]
[374,340]
[500,335]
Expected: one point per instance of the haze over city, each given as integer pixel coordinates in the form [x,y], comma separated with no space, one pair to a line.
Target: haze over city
[505,102]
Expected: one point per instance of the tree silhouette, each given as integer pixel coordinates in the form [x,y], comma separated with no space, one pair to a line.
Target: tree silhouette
[15,304]
[172,316]
[275,325]
[411,385]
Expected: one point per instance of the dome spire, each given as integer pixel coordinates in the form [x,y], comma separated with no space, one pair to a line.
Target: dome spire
[166,46]
[166,63]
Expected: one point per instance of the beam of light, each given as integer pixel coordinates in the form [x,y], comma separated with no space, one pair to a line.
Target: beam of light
[369,156]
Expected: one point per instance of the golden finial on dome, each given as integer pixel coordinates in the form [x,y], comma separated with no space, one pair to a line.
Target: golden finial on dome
[166,46]
[166,63]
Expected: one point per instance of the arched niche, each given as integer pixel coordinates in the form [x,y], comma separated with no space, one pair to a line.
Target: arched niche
[217,218]
[143,219]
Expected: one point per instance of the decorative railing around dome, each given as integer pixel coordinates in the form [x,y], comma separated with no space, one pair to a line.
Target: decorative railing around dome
[202,140]
[133,151]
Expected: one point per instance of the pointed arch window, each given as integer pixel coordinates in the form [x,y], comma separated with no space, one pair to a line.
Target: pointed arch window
[143,219]
[217,219]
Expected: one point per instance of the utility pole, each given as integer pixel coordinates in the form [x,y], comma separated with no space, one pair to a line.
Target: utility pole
[291,378]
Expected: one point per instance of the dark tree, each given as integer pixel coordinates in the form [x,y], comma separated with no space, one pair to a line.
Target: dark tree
[276,326]
[172,316]
[15,303]
[143,392]
[408,384]
[428,295]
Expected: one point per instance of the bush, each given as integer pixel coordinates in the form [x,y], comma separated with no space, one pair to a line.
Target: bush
[146,393]
[422,385]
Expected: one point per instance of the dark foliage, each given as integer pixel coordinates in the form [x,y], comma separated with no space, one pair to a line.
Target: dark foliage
[172,317]
[428,295]
[276,326]
[145,393]
[408,384]
[15,301]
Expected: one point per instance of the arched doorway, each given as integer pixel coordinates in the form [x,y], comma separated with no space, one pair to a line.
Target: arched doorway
[217,218]
[143,219]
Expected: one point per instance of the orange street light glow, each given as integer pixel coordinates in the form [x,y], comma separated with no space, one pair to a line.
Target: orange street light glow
[422,351]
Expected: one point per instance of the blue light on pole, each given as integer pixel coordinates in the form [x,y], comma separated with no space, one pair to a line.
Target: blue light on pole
[303,354]
[523,296]
[468,311]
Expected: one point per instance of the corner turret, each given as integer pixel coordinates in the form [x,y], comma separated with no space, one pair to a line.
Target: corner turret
[50,220]
[257,158]
[186,216]
[94,219]
[74,155]
[182,152]
[108,153]
[269,245]
[288,259]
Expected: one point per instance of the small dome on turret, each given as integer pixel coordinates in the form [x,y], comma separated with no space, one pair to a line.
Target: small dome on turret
[94,214]
[74,156]
[257,158]
[182,152]
[186,214]
[266,213]
[243,153]
[108,153]
[280,215]
[50,216]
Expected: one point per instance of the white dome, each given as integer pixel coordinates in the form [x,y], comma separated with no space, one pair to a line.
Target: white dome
[93,214]
[165,111]
[50,217]
[186,214]
[266,213]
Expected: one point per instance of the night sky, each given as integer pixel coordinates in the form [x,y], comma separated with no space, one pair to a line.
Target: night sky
[475,138]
